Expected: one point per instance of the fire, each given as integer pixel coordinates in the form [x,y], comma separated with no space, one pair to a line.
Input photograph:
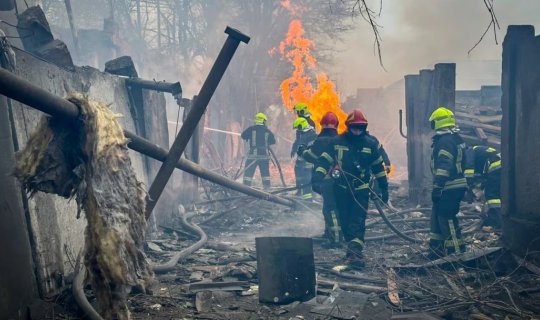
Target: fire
[319,94]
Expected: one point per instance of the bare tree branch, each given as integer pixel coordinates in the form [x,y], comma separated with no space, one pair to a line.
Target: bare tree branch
[493,23]
[370,16]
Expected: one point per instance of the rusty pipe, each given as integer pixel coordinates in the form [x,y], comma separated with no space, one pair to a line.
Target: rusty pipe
[162,86]
[195,114]
[17,88]
[401,124]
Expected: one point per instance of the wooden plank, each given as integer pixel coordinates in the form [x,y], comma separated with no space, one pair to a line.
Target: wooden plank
[486,127]
[481,134]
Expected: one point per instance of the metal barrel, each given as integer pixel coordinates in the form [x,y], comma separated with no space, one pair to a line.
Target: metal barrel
[286,269]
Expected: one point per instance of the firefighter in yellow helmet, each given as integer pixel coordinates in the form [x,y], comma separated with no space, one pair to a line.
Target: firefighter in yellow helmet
[449,184]
[259,138]
[484,169]
[305,135]
[302,111]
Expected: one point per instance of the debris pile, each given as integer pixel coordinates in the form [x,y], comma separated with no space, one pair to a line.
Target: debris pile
[90,161]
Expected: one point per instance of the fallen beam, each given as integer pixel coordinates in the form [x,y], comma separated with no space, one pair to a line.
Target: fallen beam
[485,127]
[194,116]
[19,89]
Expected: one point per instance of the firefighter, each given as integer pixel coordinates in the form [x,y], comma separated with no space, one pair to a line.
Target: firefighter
[325,186]
[302,111]
[449,184]
[305,135]
[483,166]
[352,159]
[387,167]
[259,138]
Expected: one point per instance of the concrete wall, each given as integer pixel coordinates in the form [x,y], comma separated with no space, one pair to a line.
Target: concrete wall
[423,94]
[520,143]
[55,231]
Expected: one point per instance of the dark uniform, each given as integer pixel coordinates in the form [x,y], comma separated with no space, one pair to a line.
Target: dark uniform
[484,164]
[449,186]
[259,138]
[351,161]
[325,186]
[386,163]
[302,168]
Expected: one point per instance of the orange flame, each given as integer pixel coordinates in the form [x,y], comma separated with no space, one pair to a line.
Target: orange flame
[321,97]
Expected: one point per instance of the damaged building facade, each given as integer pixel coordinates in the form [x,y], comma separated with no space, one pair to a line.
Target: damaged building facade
[43,237]
[42,234]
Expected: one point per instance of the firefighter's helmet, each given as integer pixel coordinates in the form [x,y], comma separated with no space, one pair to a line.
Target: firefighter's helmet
[330,119]
[260,118]
[357,118]
[301,109]
[442,118]
[301,124]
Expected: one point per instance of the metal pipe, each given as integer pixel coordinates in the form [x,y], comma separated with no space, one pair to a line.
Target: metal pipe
[148,148]
[17,88]
[194,116]
[401,124]
[162,86]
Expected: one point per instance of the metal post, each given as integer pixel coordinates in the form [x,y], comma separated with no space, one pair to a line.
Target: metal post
[194,116]
[19,89]
[72,27]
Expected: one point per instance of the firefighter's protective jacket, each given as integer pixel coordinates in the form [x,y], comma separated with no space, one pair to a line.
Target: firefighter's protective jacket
[259,138]
[481,160]
[322,143]
[448,160]
[352,160]
[303,138]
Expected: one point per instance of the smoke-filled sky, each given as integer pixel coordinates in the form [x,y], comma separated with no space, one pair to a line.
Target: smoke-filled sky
[418,33]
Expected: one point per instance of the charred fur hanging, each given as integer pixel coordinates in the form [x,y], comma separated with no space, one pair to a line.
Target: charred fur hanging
[89,160]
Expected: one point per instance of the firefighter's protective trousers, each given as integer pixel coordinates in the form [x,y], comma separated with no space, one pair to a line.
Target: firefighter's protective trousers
[252,162]
[302,171]
[330,212]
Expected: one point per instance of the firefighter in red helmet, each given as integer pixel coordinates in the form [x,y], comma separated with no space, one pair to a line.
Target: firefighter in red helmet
[325,186]
[351,161]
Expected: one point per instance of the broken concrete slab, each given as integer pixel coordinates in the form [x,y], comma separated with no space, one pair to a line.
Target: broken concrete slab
[34,28]
[121,66]
[56,52]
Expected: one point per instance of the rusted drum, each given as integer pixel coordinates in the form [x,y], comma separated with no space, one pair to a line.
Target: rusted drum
[286,269]
[7,5]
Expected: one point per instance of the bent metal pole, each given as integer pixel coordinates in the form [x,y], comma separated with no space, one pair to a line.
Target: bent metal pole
[19,89]
[194,116]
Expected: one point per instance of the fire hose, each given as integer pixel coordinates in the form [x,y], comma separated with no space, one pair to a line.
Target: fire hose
[278,166]
[392,226]
[169,265]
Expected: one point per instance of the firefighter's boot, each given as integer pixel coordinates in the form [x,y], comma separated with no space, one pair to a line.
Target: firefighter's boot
[436,250]
[355,256]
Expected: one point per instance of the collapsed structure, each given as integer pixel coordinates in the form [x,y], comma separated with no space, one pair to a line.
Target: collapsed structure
[48,238]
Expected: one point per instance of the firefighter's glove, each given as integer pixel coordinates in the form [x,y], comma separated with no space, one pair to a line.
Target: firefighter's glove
[436,194]
[388,169]
[301,149]
[292,153]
